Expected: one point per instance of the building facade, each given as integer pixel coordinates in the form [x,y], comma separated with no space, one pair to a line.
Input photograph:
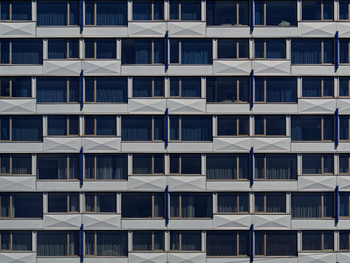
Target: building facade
[174,131]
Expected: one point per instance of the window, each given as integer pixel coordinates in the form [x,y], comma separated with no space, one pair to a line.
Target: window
[344,240]
[100,48]
[344,163]
[63,125]
[233,49]
[142,128]
[312,205]
[63,49]
[316,87]
[15,164]
[344,198]
[270,125]
[106,89]
[185,87]
[148,240]
[270,48]
[106,166]
[58,13]
[317,240]
[63,202]
[185,241]
[223,12]
[317,10]
[148,164]
[57,90]
[58,243]
[57,166]
[143,205]
[15,241]
[21,51]
[106,13]
[148,87]
[233,203]
[344,127]
[143,51]
[147,10]
[233,125]
[312,51]
[275,89]
[100,125]
[321,164]
[191,51]
[270,202]
[191,128]
[227,89]
[275,243]
[344,87]
[275,13]
[344,50]
[21,128]
[21,205]
[12,10]
[227,243]
[184,164]
[15,87]
[100,203]
[185,10]
[188,205]
[313,128]
[227,166]
[106,243]
[275,166]
[344,10]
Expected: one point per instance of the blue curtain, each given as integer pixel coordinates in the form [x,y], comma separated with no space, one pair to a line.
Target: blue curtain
[52,13]
[57,125]
[27,128]
[142,87]
[29,51]
[136,128]
[51,90]
[143,51]
[106,48]
[57,49]
[106,125]
[142,164]
[21,10]
[306,128]
[196,51]
[344,127]
[111,90]
[21,87]
[190,10]
[196,128]
[5,128]
[5,10]
[111,166]
[142,10]
[191,87]
[306,51]
[279,89]
[259,12]
[111,13]
[275,48]
[5,51]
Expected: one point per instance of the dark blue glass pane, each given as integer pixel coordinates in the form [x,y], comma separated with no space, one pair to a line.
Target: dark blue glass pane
[344,86]
[275,48]
[74,125]
[89,13]
[227,48]
[5,51]
[21,10]
[190,10]
[306,128]
[328,51]
[344,50]
[158,87]
[259,125]
[27,128]
[106,125]
[311,10]
[4,87]
[106,48]
[73,48]
[89,48]
[111,13]
[29,51]
[21,87]
[306,51]
[111,90]
[57,48]
[158,51]
[344,127]
[174,127]
[174,9]
[312,87]
[259,48]
[51,90]
[281,89]
[142,10]
[198,128]
[259,89]
[174,87]
[142,87]
[74,89]
[174,51]
[5,10]
[5,128]
[51,13]
[57,125]
[281,13]
[227,125]
[328,9]
[137,128]
[89,125]
[158,10]
[344,9]
[259,12]
[221,12]
[191,87]
[158,128]
[195,51]
[74,7]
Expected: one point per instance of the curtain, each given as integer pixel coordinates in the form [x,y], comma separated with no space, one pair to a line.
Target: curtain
[112,13]
[74,167]
[158,205]
[52,243]
[28,51]
[106,48]
[5,205]
[281,243]
[221,243]
[27,128]
[174,240]
[142,164]
[142,87]
[281,167]
[275,203]
[90,203]
[191,87]
[52,166]
[196,51]
[112,243]
[74,202]
[221,166]
[51,13]
[136,128]
[306,205]
[89,242]
[21,164]
[227,203]
[190,10]
[312,240]
[5,51]
[191,240]
[278,89]
[106,125]
[142,10]
[259,12]
[143,51]
[306,51]
[142,241]
[51,90]
[5,240]
[221,13]
[188,208]
[21,240]
[306,128]
[111,166]
[196,205]
[57,49]
[174,127]
[196,128]
[174,205]
[89,166]
[57,125]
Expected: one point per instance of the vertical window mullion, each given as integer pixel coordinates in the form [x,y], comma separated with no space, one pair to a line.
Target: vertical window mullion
[95,166]
[265,167]
[265,95]
[237,162]
[11,169]
[322,205]
[68,160]
[237,89]
[68,11]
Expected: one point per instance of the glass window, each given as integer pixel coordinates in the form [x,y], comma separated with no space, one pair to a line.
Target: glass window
[233,203]
[185,240]
[224,12]
[106,243]
[63,202]
[276,243]
[100,48]
[15,87]
[13,164]
[143,205]
[185,87]
[188,205]
[148,240]
[233,125]
[58,13]
[100,125]
[185,163]
[142,128]
[148,87]
[275,13]
[270,48]
[233,49]
[275,166]
[106,13]
[191,128]
[58,243]
[344,50]
[57,90]
[191,51]
[63,125]
[270,202]
[100,203]
[275,89]
[344,240]
[21,128]
[344,121]
[148,164]
[313,128]
[344,198]
[317,240]
[312,205]
[270,125]
[21,205]
[317,10]
[143,51]
[344,87]
[12,10]
[15,241]
[106,166]
[344,6]
[344,164]
[63,49]
[57,166]
[227,243]
[106,89]
[185,10]
[317,87]
[312,51]
[21,51]
[227,166]
[147,10]
[318,164]
[227,89]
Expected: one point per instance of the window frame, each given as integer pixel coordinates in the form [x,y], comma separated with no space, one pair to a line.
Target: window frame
[322,89]
[265,117]
[152,87]
[321,14]
[10,130]
[11,232]
[96,196]
[179,197]
[238,120]
[69,234]
[180,13]
[180,240]
[68,3]
[265,15]
[266,232]
[68,120]
[12,206]
[11,53]
[322,241]
[238,43]
[265,196]
[180,155]
[153,164]
[323,173]
[95,157]
[265,156]
[322,51]
[152,14]
[238,157]
[238,24]
[265,40]
[11,80]
[96,41]
[68,44]
[237,195]
[68,197]
[10,14]
[11,164]
[153,243]
[96,128]
[180,80]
